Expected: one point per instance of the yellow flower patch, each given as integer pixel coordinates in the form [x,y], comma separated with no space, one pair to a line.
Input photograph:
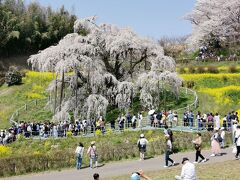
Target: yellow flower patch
[188,77]
[5,151]
[220,93]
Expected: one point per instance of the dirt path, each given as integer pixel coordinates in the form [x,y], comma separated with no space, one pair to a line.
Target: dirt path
[7,91]
[122,168]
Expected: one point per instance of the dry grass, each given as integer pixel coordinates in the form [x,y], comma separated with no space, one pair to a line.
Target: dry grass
[219,171]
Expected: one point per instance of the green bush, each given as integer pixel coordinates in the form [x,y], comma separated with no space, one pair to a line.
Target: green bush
[232,69]
[191,69]
[113,147]
[182,70]
[201,69]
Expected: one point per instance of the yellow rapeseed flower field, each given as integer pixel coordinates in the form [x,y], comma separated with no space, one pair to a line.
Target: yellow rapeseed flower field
[220,93]
[188,77]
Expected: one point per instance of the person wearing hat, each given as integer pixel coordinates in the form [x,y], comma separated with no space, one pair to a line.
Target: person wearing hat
[138,175]
[188,171]
[79,155]
[92,152]
[237,141]
[215,143]
[142,145]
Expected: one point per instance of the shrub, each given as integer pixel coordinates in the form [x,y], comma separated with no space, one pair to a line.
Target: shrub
[115,147]
[190,84]
[213,69]
[69,134]
[5,151]
[225,79]
[182,70]
[191,69]
[109,132]
[98,133]
[201,69]
[232,69]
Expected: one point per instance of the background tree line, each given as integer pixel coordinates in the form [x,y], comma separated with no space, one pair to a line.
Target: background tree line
[29,28]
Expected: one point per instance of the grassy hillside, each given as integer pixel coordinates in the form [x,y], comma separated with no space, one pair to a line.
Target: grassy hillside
[217,92]
[34,86]
[14,97]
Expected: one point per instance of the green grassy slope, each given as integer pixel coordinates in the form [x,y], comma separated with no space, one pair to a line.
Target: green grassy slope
[14,97]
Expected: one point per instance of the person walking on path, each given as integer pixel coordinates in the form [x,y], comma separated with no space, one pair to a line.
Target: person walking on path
[198,143]
[142,145]
[92,152]
[237,141]
[188,171]
[215,144]
[79,155]
[168,152]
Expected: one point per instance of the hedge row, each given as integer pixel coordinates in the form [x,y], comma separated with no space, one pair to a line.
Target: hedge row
[107,150]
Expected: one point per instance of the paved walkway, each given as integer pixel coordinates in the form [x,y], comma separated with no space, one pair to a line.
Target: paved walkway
[122,168]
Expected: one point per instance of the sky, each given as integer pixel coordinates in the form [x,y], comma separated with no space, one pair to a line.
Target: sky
[148,18]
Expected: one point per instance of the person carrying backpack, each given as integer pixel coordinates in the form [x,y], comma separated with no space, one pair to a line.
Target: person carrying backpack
[215,143]
[92,152]
[142,145]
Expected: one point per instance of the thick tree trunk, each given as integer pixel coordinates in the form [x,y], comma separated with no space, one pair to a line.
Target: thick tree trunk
[55,95]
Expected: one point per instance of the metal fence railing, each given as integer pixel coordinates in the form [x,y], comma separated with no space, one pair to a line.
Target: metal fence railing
[23,109]
[117,126]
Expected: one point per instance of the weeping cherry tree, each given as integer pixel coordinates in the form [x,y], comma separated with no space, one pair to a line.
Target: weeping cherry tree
[104,66]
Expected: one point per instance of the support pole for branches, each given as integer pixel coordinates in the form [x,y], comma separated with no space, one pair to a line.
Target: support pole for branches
[55,95]
[158,96]
[76,86]
[61,95]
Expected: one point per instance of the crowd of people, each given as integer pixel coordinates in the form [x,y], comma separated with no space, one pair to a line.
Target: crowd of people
[208,121]
[188,169]
[200,121]
[48,129]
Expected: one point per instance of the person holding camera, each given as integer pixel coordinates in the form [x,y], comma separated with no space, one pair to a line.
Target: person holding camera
[188,171]
[138,175]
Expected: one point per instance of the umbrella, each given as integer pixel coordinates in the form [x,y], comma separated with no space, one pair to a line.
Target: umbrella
[151,112]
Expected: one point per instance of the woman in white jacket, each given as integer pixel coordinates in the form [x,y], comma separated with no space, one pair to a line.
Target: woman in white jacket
[79,155]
